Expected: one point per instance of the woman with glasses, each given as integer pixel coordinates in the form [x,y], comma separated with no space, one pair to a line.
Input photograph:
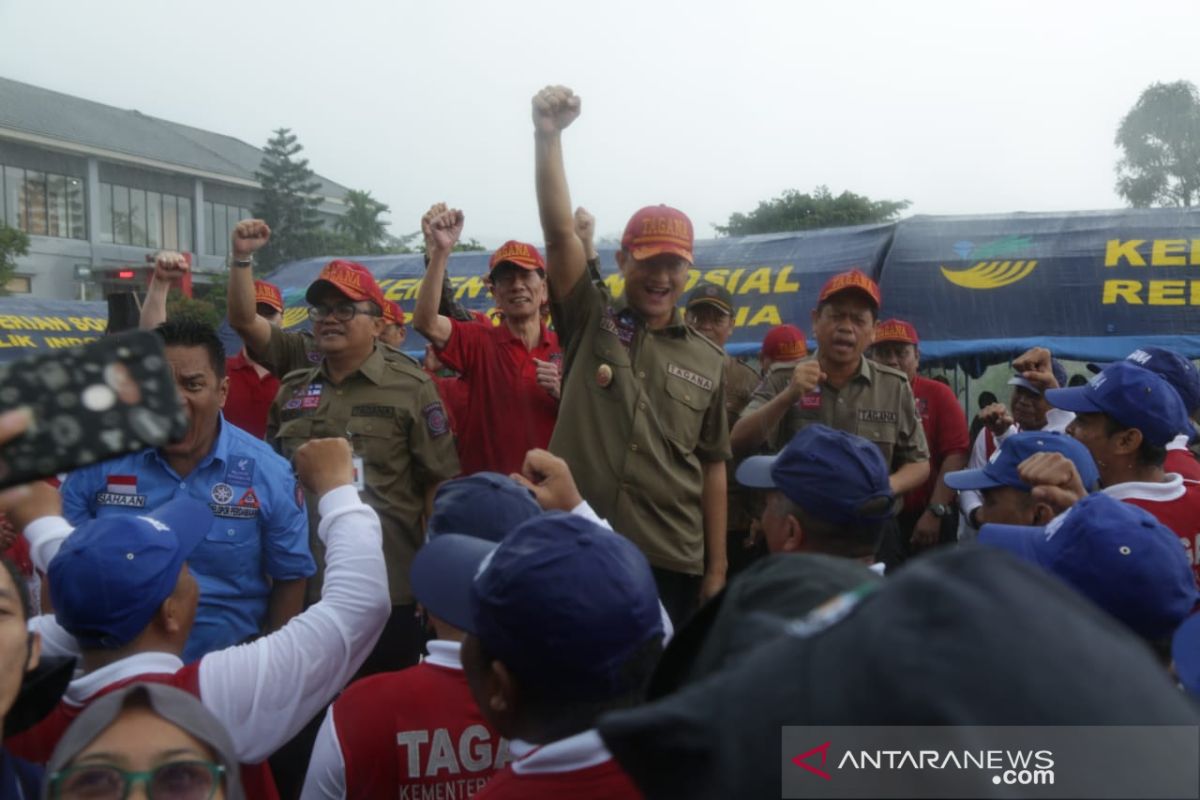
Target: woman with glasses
[146,740]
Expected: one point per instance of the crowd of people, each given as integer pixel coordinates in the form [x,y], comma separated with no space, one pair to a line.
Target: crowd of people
[580,550]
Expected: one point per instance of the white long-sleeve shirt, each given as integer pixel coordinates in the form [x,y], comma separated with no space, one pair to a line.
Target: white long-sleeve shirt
[267,690]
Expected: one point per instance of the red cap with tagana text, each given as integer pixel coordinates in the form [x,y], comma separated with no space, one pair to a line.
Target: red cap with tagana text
[519,254]
[854,280]
[268,294]
[351,279]
[393,313]
[896,330]
[655,230]
[784,343]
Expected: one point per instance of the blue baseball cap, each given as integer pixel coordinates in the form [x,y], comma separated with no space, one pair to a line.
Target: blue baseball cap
[1115,554]
[1185,652]
[1178,371]
[833,475]
[486,505]
[1133,396]
[1002,469]
[561,601]
[111,574]
[1060,375]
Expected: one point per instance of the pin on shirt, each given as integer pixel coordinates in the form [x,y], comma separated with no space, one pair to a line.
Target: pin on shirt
[604,376]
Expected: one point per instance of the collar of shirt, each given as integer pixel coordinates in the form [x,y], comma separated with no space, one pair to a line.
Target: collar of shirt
[676,327]
[574,753]
[1180,442]
[507,336]
[87,686]
[1170,489]
[219,451]
[371,369]
[443,653]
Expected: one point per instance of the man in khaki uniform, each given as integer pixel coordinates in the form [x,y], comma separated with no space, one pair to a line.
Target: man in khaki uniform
[842,389]
[390,411]
[710,311]
[642,421]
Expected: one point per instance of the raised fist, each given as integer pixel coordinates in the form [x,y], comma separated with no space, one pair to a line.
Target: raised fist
[550,480]
[996,418]
[585,224]
[248,236]
[1036,367]
[324,464]
[441,226]
[805,377]
[1053,479]
[169,266]
[554,109]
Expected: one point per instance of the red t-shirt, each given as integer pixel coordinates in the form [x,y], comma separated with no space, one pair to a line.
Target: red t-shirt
[507,414]
[250,396]
[605,781]
[1182,462]
[37,743]
[945,427]
[416,732]
[1180,513]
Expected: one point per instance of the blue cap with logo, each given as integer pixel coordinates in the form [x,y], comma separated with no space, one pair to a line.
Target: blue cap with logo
[1002,469]
[1178,371]
[111,574]
[1117,555]
[833,475]
[1060,375]
[486,505]
[1133,396]
[561,601]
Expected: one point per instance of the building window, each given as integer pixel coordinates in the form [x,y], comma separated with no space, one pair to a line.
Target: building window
[145,219]
[19,285]
[185,224]
[42,203]
[221,220]
[120,212]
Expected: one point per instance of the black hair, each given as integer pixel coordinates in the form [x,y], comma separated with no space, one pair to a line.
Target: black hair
[191,332]
[837,539]
[1077,380]
[986,399]
[21,587]
[1148,455]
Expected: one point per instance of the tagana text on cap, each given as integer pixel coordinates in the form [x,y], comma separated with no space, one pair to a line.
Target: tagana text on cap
[268,294]
[655,230]
[351,279]
[519,254]
[896,330]
[854,280]
[784,343]
[393,313]
[712,295]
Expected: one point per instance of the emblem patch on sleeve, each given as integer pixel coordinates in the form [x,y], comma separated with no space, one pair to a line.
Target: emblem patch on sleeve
[435,419]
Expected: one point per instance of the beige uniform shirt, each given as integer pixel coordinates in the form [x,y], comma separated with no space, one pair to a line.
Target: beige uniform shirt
[391,412]
[876,404]
[740,383]
[641,411]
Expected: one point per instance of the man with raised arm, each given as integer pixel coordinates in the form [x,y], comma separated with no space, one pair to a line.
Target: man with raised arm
[642,421]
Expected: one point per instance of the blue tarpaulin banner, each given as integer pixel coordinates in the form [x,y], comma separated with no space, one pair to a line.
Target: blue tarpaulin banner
[1088,285]
[29,325]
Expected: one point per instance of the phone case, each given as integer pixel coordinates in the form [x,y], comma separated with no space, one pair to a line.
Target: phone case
[90,403]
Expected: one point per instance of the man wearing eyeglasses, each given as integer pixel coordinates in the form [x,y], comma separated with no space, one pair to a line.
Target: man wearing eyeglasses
[390,411]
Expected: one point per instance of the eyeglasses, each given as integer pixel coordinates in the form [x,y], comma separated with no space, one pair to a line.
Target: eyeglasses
[175,780]
[342,312]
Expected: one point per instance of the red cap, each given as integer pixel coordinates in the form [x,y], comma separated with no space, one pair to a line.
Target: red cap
[268,294]
[896,330]
[393,313]
[656,230]
[351,279]
[784,343]
[520,254]
[856,280]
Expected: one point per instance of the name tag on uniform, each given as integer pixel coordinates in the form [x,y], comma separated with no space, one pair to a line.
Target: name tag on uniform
[691,377]
[877,415]
[359,471]
[812,400]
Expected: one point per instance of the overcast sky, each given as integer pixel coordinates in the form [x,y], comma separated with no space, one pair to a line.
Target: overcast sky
[960,107]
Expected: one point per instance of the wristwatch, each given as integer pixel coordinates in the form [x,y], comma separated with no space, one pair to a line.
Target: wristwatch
[940,510]
[241,262]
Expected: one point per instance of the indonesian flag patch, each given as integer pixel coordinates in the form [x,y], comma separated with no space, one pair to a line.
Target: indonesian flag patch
[122,484]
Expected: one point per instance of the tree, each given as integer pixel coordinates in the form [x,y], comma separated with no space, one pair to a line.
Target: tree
[1160,139]
[793,211]
[13,243]
[361,222]
[289,202]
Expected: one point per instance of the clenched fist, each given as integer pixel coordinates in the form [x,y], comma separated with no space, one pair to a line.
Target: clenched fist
[805,377]
[554,109]
[441,226]
[1053,479]
[324,464]
[996,418]
[169,266]
[1035,366]
[550,480]
[249,236]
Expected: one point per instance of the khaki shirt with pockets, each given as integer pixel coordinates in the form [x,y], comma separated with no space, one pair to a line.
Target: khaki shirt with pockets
[642,410]
[392,414]
[740,382]
[876,404]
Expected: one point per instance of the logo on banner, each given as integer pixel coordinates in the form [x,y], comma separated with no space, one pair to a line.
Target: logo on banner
[993,265]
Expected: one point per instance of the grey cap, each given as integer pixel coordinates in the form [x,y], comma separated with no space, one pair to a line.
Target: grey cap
[174,705]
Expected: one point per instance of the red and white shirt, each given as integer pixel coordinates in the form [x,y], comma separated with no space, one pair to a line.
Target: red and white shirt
[415,733]
[579,767]
[1175,503]
[1181,460]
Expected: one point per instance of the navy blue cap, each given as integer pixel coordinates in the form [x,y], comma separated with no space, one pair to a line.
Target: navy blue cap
[1178,371]
[1133,396]
[1117,555]
[1060,375]
[561,601]
[111,574]
[486,505]
[833,475]
[1185,652]
[1002,469]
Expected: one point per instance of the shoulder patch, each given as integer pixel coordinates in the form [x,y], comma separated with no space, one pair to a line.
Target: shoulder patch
[435,419]
[886,370]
